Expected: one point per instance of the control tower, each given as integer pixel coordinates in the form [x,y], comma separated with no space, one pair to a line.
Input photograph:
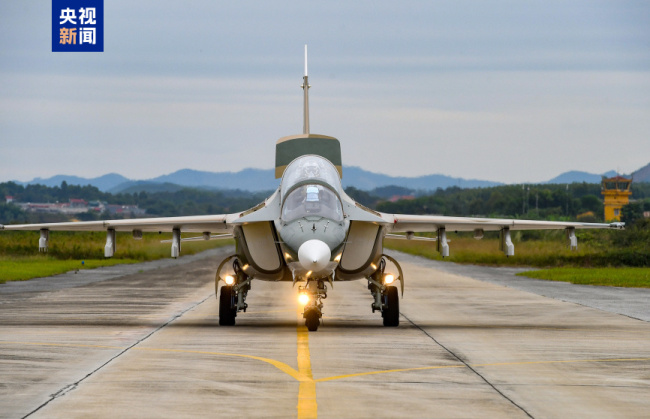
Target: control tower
[616,193]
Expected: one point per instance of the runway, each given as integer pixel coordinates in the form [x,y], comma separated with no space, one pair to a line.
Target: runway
[148,344]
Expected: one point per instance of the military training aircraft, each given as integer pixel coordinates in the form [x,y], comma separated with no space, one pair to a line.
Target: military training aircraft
[310,232]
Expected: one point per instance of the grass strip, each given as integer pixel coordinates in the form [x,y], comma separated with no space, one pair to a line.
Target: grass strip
[537,253]
[23,268]
[19,258]
[612,277]
[558,263]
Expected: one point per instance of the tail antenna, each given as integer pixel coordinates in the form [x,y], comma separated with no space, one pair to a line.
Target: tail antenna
[305,88]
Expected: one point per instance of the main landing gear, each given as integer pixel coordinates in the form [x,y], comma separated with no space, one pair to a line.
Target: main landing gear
[311,295]
[227,306]
[232,297]
[386,297]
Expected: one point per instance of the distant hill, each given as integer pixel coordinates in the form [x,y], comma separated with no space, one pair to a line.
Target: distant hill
[253,180]
[103,183]
[247,179]
[643,174]
[575,176]
[256,180]
[362,179]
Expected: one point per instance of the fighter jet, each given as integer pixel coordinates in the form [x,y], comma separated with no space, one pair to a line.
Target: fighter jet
[309,232]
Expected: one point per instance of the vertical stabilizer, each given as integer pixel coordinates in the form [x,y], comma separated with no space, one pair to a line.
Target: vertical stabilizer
[289,148]
[305,88]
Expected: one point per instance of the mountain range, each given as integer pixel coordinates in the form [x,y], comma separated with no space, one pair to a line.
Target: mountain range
[255,180]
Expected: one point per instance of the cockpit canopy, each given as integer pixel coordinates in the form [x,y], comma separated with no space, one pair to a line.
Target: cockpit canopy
[310,187]
[312,200]
[310,169]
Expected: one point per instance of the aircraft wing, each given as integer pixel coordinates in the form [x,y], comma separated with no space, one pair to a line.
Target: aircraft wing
[195,224]
[401,223]
[409,224]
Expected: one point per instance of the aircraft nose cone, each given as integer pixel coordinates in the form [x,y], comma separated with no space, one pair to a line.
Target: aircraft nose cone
[314,255]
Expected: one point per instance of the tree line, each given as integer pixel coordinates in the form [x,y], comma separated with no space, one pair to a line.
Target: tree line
[577,201]
[186,201]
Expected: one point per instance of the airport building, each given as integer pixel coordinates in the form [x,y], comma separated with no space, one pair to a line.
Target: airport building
[616,194]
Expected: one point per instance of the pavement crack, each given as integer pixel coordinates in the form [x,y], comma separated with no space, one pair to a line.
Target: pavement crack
[462,361]
[68,388]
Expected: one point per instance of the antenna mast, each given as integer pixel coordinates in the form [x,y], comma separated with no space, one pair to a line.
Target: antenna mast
[305,88]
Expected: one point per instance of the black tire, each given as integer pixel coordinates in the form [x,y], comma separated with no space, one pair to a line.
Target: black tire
[226,312]
[312,321]
[391,312]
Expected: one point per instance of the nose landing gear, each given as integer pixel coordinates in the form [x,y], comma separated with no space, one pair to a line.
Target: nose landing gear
[315,291]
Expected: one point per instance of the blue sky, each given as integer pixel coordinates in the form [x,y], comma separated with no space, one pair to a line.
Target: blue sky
[506,91]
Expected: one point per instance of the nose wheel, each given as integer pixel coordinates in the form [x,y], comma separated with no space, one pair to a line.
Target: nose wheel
[312,320]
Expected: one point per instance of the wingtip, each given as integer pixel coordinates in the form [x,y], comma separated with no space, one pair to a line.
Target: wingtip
[618,226]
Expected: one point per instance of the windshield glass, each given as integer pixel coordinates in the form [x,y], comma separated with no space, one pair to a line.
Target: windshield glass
[312,200]
[310,168]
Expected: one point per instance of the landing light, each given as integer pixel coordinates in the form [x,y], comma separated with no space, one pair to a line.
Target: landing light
[303,298]
[389,278]
[229,280]
[338,258]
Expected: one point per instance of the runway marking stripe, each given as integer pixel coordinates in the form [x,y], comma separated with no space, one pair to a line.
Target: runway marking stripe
[307,406]
[360,374]
[279,365]
[339,377]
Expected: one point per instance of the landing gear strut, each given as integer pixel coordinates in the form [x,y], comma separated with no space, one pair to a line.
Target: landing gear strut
[316,291]
[386,298]
[232,297]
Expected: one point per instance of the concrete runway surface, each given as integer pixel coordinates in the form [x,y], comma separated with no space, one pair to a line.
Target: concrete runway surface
[144,341]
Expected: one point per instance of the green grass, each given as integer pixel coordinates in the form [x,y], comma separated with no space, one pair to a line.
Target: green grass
[20,260]
[613,277]
[538,253]
[23,268]
[593,264]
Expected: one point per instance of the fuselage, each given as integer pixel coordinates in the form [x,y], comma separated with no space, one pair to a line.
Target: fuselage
[312,226]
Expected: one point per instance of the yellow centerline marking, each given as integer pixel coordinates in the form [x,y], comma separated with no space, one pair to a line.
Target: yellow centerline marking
[307,406]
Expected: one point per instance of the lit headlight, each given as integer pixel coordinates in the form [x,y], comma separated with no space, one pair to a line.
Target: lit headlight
[229,280]
[389,278]
[303,298]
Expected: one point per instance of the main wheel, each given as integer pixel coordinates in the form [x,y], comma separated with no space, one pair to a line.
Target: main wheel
[391,312]
[312,320]
[227,312]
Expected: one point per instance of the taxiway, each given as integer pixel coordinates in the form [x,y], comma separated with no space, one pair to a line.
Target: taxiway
[145,342]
